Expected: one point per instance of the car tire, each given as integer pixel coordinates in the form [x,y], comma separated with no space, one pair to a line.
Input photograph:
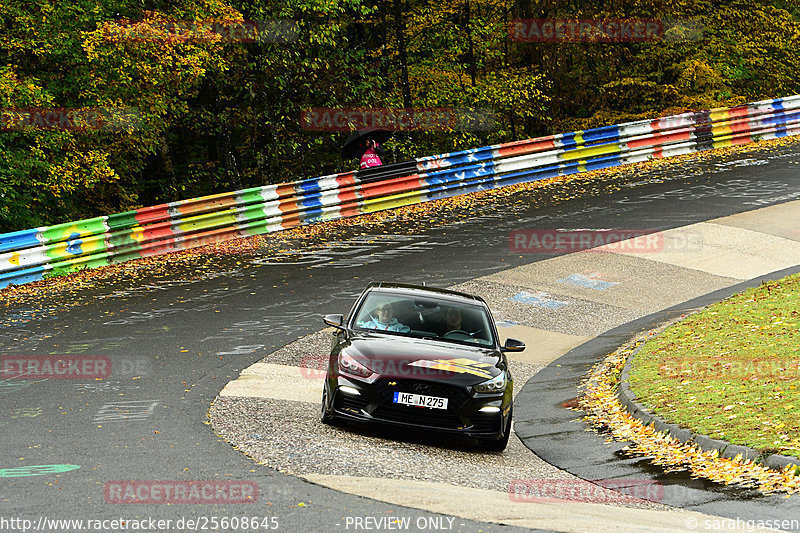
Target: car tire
[500,444]
[325,415]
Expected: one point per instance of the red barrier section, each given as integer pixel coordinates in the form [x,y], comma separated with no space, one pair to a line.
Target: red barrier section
[348,195]
[389,187]
[526,147]
[148,215]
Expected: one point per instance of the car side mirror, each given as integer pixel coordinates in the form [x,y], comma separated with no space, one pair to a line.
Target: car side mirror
[513,345]
[334,320]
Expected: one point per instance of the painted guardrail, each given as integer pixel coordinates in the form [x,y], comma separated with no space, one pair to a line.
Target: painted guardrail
[30,255]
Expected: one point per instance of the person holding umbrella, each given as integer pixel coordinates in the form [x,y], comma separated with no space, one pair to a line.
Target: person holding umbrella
[372,154]
[366,145]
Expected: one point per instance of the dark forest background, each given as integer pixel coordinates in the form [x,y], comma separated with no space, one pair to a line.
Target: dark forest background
[218,115]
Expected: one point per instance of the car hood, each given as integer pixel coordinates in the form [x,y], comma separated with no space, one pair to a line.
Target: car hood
[398,357]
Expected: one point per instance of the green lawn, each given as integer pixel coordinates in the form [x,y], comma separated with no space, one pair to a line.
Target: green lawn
[732,370]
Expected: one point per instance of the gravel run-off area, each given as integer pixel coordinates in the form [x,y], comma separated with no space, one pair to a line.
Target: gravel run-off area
[289,437]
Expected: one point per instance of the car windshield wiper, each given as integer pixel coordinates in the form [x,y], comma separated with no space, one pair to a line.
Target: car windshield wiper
[424,334]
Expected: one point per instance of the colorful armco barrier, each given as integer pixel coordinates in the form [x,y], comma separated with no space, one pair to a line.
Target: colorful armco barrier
[30,255]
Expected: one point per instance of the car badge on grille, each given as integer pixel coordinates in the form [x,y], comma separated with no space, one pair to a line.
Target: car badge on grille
[421,388]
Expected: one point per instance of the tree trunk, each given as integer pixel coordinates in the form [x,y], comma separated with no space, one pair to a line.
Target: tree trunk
[230,160]
[471,58]
[400,35]
[166,163]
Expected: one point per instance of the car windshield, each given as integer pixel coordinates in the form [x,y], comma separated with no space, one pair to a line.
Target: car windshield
[425,317]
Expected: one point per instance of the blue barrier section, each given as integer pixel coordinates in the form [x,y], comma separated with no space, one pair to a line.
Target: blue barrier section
[22,276]
[601,135]
[306,187]
[781,119]
[603,162]
[312,215]
[17,240]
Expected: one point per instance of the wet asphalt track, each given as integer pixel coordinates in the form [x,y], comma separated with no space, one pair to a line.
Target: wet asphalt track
[174,346]
[556,435]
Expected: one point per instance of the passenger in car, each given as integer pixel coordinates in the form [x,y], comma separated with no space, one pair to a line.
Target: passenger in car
[383,319]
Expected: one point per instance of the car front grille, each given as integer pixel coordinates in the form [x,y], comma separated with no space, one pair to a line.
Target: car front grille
[441,418]
[456,396]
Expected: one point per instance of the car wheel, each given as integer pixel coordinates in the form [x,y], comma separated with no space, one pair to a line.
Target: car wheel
[325,415]
[500,444]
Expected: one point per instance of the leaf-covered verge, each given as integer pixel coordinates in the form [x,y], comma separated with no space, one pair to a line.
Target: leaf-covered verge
[732,370]
[216,114]
[605,413]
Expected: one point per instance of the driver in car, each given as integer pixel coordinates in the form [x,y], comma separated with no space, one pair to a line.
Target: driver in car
[383,319]
[452,321]
[453,318]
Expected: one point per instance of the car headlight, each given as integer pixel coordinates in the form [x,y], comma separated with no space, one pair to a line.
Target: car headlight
[349,365]
[496,384]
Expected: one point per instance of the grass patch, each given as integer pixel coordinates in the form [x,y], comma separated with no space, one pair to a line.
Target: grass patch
[731,370]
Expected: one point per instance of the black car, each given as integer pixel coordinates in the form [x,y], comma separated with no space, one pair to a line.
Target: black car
[421,358]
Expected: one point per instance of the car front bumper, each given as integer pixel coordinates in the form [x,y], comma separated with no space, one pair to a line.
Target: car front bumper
[371,403]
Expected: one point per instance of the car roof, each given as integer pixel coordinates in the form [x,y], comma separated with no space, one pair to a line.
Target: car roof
[420,290]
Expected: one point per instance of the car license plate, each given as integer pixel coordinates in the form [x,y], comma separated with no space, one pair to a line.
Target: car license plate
[419,400]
